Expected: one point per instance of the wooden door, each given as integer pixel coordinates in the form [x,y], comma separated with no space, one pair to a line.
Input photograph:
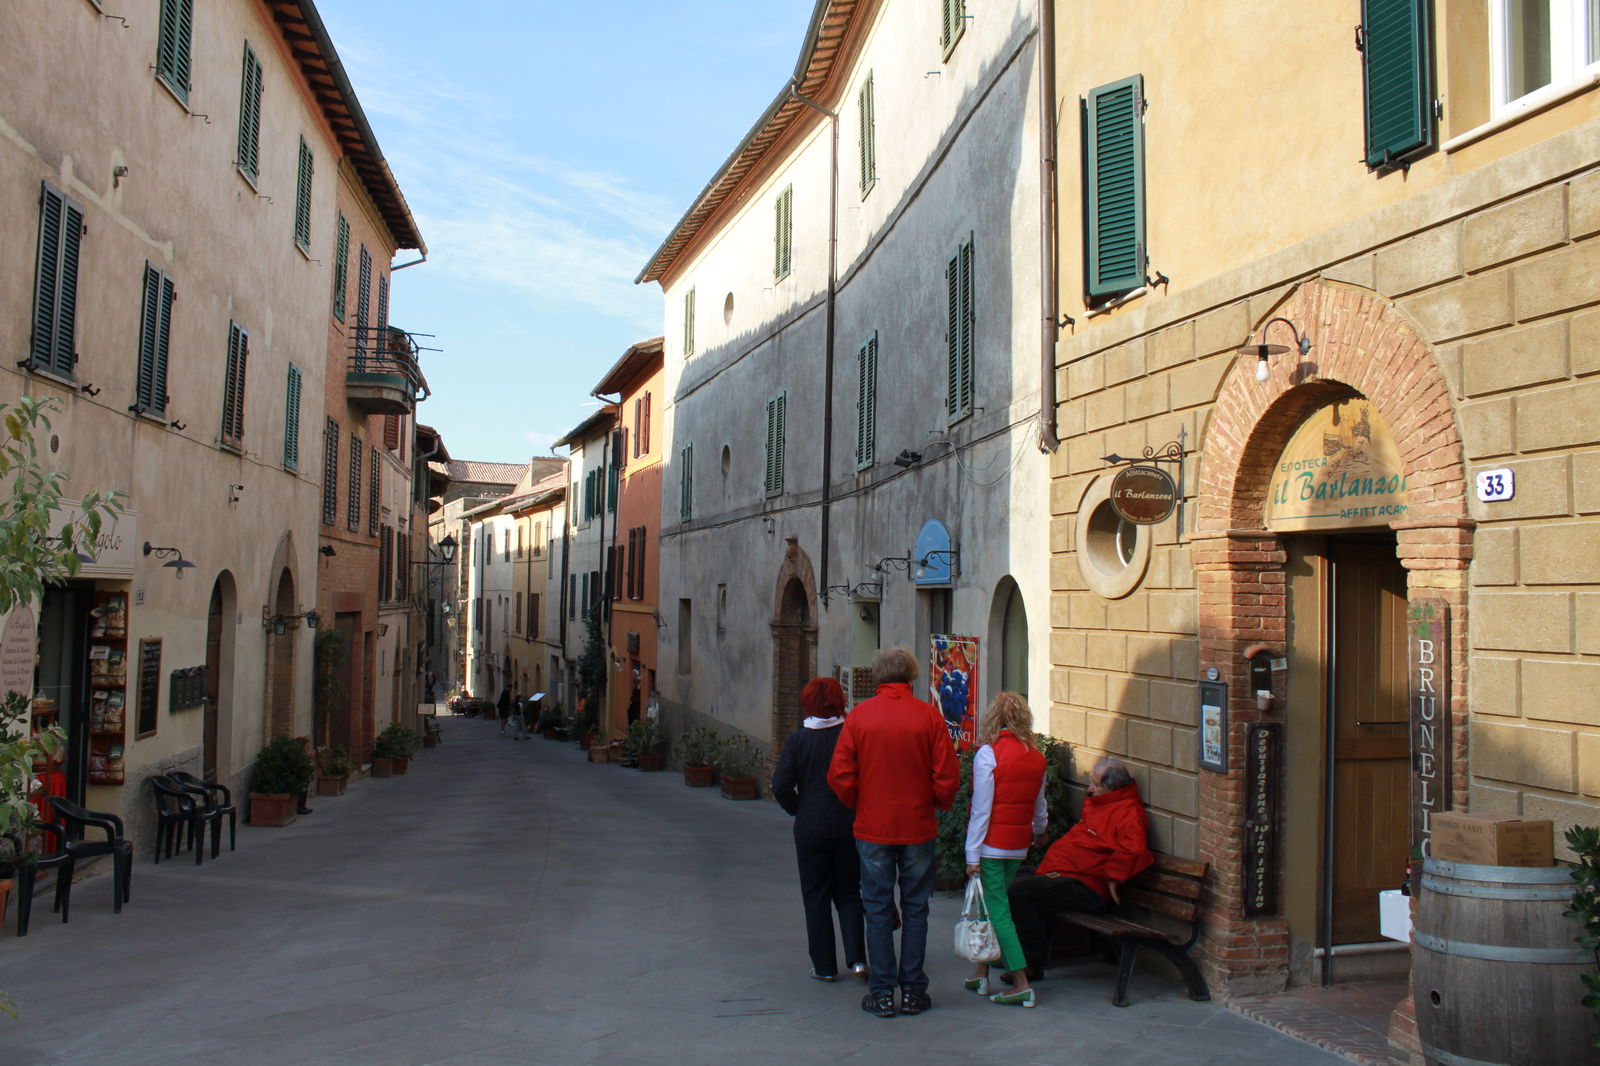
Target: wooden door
[1368,732]
[208,758]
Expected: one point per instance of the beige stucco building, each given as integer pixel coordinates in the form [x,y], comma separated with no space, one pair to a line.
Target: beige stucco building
[1422,213]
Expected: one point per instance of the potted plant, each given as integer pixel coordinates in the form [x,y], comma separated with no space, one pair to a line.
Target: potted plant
[330,652]
[282,772]
[647,738]
[736,759]
[695,750]
[334,766]
[581,729]
[550,725]
[395,745]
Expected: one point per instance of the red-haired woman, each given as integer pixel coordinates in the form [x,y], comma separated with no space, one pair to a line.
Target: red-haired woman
[824,845]
[1008,813]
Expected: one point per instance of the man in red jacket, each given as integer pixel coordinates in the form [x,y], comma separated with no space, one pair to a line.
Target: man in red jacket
[894,764]
[1083,869]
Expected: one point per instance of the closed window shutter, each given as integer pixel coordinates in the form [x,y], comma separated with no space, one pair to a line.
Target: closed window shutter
[686,483]
[688,322]
[233,385]
[643,532]
[968,318]
[250,114]
[866,402]
[611,487]
[638,424]
[374,493]
[868,137]
[644,432]
[959,338]
[953,24]
[55,306]
[1396,78]
[775,421]
[155,331]
[783,239]
[353,506]
[341,266]
[363,306]
[391,432]
[383,311]
[302,200]
[1116,187]
[330,473]
[291,421]
[174,36]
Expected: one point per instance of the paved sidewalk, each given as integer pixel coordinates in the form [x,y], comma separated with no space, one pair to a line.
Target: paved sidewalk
[508,902]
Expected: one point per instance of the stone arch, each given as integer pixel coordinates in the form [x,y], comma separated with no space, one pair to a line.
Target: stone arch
[282,659]
[794,639]
[217,757]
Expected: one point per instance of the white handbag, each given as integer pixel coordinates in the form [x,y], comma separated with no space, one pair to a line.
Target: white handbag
[975,939]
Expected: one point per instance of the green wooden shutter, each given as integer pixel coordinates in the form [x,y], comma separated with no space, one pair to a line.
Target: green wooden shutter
[352,515]
[330,472]
[233,385]
[784,238]
[959,317]
[158,389]
[291,421]
[341,266]
[1115,186]
[866,402]
[149,318]
[302,200]
[55,306]
[775,435]
[383,311]
[375,497]
[611,487]
[173,39]
[250,114]
[688,322]
[968,340]
[1396,78]
[363,306]
[868,137]
[686,483]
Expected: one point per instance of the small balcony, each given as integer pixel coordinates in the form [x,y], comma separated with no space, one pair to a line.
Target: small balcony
[384,378]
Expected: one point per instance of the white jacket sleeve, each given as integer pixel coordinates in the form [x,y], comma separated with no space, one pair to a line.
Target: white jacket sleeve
[983,763]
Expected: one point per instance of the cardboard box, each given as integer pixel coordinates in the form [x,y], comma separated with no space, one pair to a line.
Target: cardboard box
[1394,915]
[1492,839]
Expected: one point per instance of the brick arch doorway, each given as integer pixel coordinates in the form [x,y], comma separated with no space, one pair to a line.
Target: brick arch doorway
[794,640]
[217,727]
[1259,591]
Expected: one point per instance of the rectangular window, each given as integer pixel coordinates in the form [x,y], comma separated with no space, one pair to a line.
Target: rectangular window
[233,387]
[173,39]
[1396,79]
[631,562]
[402,573]
[611,584]
[516,616]
[155,337]
[249,160]
[386,565]
[588,592]
[1114,187]
[953,24]
[775,426]
[505,544]
[783,242]
[688,322]
[572,596]
[536,549]
[330,473]
[363,306]
[685,627]
[341,266]
[866,402]
[55,295]
[519,540]
[382,340]
[959,337]
[291,421]
[533,615]
[1539,45]
[644,427]
[374,494]
[868,137]
[302,200]
[352,516]
[612,473]
[686,483]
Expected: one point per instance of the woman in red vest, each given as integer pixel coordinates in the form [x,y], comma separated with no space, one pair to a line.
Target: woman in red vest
[1008,814]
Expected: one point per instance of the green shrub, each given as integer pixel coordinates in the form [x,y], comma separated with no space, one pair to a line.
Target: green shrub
[951,845]
[697,746]
[646,737]
[281,768]
[736,756]
[336,762]
[396,742]
[1585,844]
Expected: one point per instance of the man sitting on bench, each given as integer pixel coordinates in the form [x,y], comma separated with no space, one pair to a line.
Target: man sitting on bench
[1082,870]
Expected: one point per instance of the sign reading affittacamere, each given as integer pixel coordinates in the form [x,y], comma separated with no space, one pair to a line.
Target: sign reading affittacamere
[1340,470]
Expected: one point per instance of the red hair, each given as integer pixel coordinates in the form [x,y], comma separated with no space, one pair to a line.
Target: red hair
[822,697]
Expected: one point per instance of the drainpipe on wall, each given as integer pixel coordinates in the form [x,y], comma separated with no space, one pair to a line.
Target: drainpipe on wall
[1048,208]
[827,381]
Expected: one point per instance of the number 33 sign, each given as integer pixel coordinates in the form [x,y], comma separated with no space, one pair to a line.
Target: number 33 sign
[1497,485]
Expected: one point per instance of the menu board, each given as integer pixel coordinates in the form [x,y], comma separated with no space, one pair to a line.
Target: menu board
[149,685]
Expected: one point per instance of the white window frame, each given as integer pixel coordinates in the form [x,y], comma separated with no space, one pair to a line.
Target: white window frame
[1569,65]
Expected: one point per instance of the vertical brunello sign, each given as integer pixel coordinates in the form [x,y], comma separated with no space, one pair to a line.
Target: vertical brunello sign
[17,643]
[1428,646]
[1263,743]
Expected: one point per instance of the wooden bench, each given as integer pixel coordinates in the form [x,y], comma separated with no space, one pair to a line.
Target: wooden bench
[1170,887]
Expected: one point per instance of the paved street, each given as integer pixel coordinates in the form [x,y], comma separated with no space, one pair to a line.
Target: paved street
[508,902]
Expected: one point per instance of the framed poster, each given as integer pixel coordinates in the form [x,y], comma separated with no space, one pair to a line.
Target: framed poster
[1214,726]
[953,685]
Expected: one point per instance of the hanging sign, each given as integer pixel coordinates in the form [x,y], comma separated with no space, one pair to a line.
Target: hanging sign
[953,666]
[1144,495]
[1428,647]
[17,646]
[1340,470]
[1263,744]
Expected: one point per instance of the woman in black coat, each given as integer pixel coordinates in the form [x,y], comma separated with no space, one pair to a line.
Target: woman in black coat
[830,870]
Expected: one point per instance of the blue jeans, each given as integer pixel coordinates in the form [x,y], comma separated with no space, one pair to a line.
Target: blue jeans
[881,866]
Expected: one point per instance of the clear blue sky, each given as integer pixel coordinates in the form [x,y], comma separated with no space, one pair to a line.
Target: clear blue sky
[546,149]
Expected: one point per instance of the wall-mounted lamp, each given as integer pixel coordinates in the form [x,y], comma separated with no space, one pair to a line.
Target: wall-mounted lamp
[907,459]
[383,629]
[178,562]
[951,556]
[899,562]
[865,613]
[868,590]
[177,425]
[327,550]
[118,172]
[770,523]
[234,492]
[313,619]
[88,389]
[278,623]
[1263,351]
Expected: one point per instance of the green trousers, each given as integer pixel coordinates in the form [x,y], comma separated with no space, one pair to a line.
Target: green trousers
[996,875]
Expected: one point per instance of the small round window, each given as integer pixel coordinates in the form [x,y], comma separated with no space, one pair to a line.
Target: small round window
[727,309]
[1113,553]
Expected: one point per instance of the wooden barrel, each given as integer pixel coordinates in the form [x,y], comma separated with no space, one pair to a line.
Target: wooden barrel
[1497,968]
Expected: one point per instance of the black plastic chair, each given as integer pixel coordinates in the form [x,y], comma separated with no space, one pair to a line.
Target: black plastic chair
[28,869]
[180,819]
[116,844]
[219,802]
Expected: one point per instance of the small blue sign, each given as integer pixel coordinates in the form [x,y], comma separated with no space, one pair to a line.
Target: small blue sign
[932,561]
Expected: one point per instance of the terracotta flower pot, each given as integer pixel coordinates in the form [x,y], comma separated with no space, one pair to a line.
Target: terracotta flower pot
[332,784]
[402,763]
[382,767]
[650,762]
[739,788]
[272,808]
[697,776]
[599,753]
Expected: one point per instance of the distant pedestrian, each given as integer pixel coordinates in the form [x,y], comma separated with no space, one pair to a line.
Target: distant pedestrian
[830,869]
[895,765]
[519,720]
[428,681]
[503,708]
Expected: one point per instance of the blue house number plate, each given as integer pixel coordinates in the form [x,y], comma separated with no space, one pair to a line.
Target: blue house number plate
[1497,485]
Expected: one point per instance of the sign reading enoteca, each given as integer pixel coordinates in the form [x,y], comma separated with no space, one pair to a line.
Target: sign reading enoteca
[1340,470]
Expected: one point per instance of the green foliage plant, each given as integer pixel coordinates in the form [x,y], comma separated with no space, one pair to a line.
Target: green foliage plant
[1585,844]
[950,847]
[282,768]
[697,746]
[335,762]
[735,756]
[396,742]
[646,737]
[595,659]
